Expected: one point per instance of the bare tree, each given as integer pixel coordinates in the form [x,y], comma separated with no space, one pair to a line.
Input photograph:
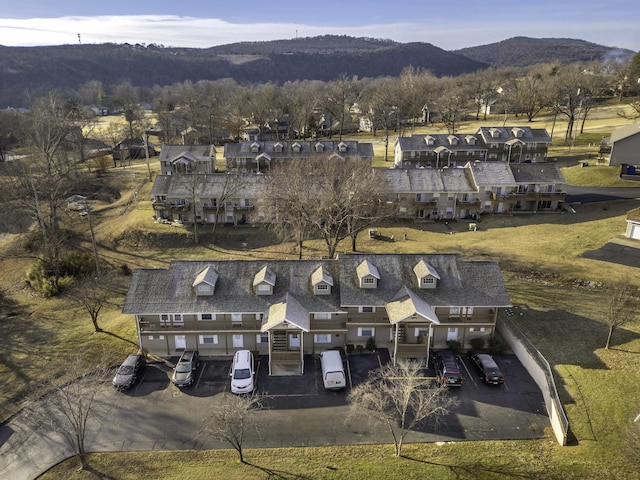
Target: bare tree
[65,401]
[233,420]
[292,199]
[452,106]
[400,397]
[93,292]
[621,306]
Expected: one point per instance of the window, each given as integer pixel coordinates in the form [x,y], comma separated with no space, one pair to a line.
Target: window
[322,286]
[476,329]
[236,317]
[262,338]
[366,309]
[164,320]
[322,338]
[207,316]
[454,312]
[421,332]
[208,339]
[263,287]
[178,321]
[203,287]
[369,281]
[322,316]
[366,332]
[259,316]
[156,337]
[427,281]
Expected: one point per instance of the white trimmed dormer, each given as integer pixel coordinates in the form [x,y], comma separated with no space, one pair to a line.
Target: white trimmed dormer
[255,147]
[470,139]
[517,132]
[264,281]
[319,147]
[368,275]
[452,139]
[494,132]
[321,281]
[426,275]
[343,147]
[205,282]
[277,148]
[296,147]
[429,140]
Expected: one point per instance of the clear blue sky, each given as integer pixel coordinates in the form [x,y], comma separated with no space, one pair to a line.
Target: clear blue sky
[202,23]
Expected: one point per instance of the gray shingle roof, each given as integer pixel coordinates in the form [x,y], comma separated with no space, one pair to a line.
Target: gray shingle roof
[307,149]
[537,173]
[492,174]
[441,142]
[169,290]
[529,135]
[461,282]
[428,180]
[200,152]
[625,131]
[208,185]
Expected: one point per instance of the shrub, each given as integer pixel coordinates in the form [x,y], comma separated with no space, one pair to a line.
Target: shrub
[371,344]
[454,346]
[477,343]
[350,347]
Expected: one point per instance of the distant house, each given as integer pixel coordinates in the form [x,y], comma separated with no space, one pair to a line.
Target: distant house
[187,159]
[285,309]
[99,110]
[625,145]
[133,148]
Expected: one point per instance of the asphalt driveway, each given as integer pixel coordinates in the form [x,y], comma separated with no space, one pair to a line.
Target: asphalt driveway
[155,415]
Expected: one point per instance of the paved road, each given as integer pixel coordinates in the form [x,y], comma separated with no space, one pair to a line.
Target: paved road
[599,194]
[154,415]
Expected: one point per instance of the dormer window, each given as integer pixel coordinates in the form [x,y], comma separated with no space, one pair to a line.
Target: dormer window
[452,139]
[278,147]
[321,281]
[255,147]
[264,281]
[319,147]
[343,147]
[429,140]
[517,132]
[426,275]
[368,274]
[494,132]
[470,139]
[296,147]
[205,282]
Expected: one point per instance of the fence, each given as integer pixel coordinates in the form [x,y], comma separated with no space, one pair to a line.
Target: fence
[540,371]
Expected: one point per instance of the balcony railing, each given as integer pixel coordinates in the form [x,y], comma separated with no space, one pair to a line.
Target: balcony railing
[200,325]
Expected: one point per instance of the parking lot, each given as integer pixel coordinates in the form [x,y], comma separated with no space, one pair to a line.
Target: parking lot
[510,411]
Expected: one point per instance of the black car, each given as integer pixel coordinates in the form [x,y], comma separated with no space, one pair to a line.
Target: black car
[128,372]
[488,367]
[184,372]
[447,368]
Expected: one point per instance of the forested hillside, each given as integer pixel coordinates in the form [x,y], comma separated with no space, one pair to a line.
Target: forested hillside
[25,71]
[524,51]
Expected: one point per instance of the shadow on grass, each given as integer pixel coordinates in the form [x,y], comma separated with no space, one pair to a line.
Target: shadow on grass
[118,337]
[473,470]
[95,473]
[273,474]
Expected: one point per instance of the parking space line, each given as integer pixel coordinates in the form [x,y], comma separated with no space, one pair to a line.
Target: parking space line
[349,374]
[204,366]
[468,372]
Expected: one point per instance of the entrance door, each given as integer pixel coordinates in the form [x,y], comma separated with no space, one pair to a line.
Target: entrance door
[237,341]
[452,334]
[294,341]
[181,342]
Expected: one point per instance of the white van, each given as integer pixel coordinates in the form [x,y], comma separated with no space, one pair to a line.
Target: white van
[332,370]
[242,372]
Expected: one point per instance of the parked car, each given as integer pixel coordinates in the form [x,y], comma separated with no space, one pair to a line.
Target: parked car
[488,367]
[447,369]
[127,373]
[242,372]
[185,371]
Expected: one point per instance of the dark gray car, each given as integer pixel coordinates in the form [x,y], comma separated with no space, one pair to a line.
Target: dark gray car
[128,372]
[184,372]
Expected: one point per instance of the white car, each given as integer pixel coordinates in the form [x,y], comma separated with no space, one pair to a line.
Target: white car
[243,372]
